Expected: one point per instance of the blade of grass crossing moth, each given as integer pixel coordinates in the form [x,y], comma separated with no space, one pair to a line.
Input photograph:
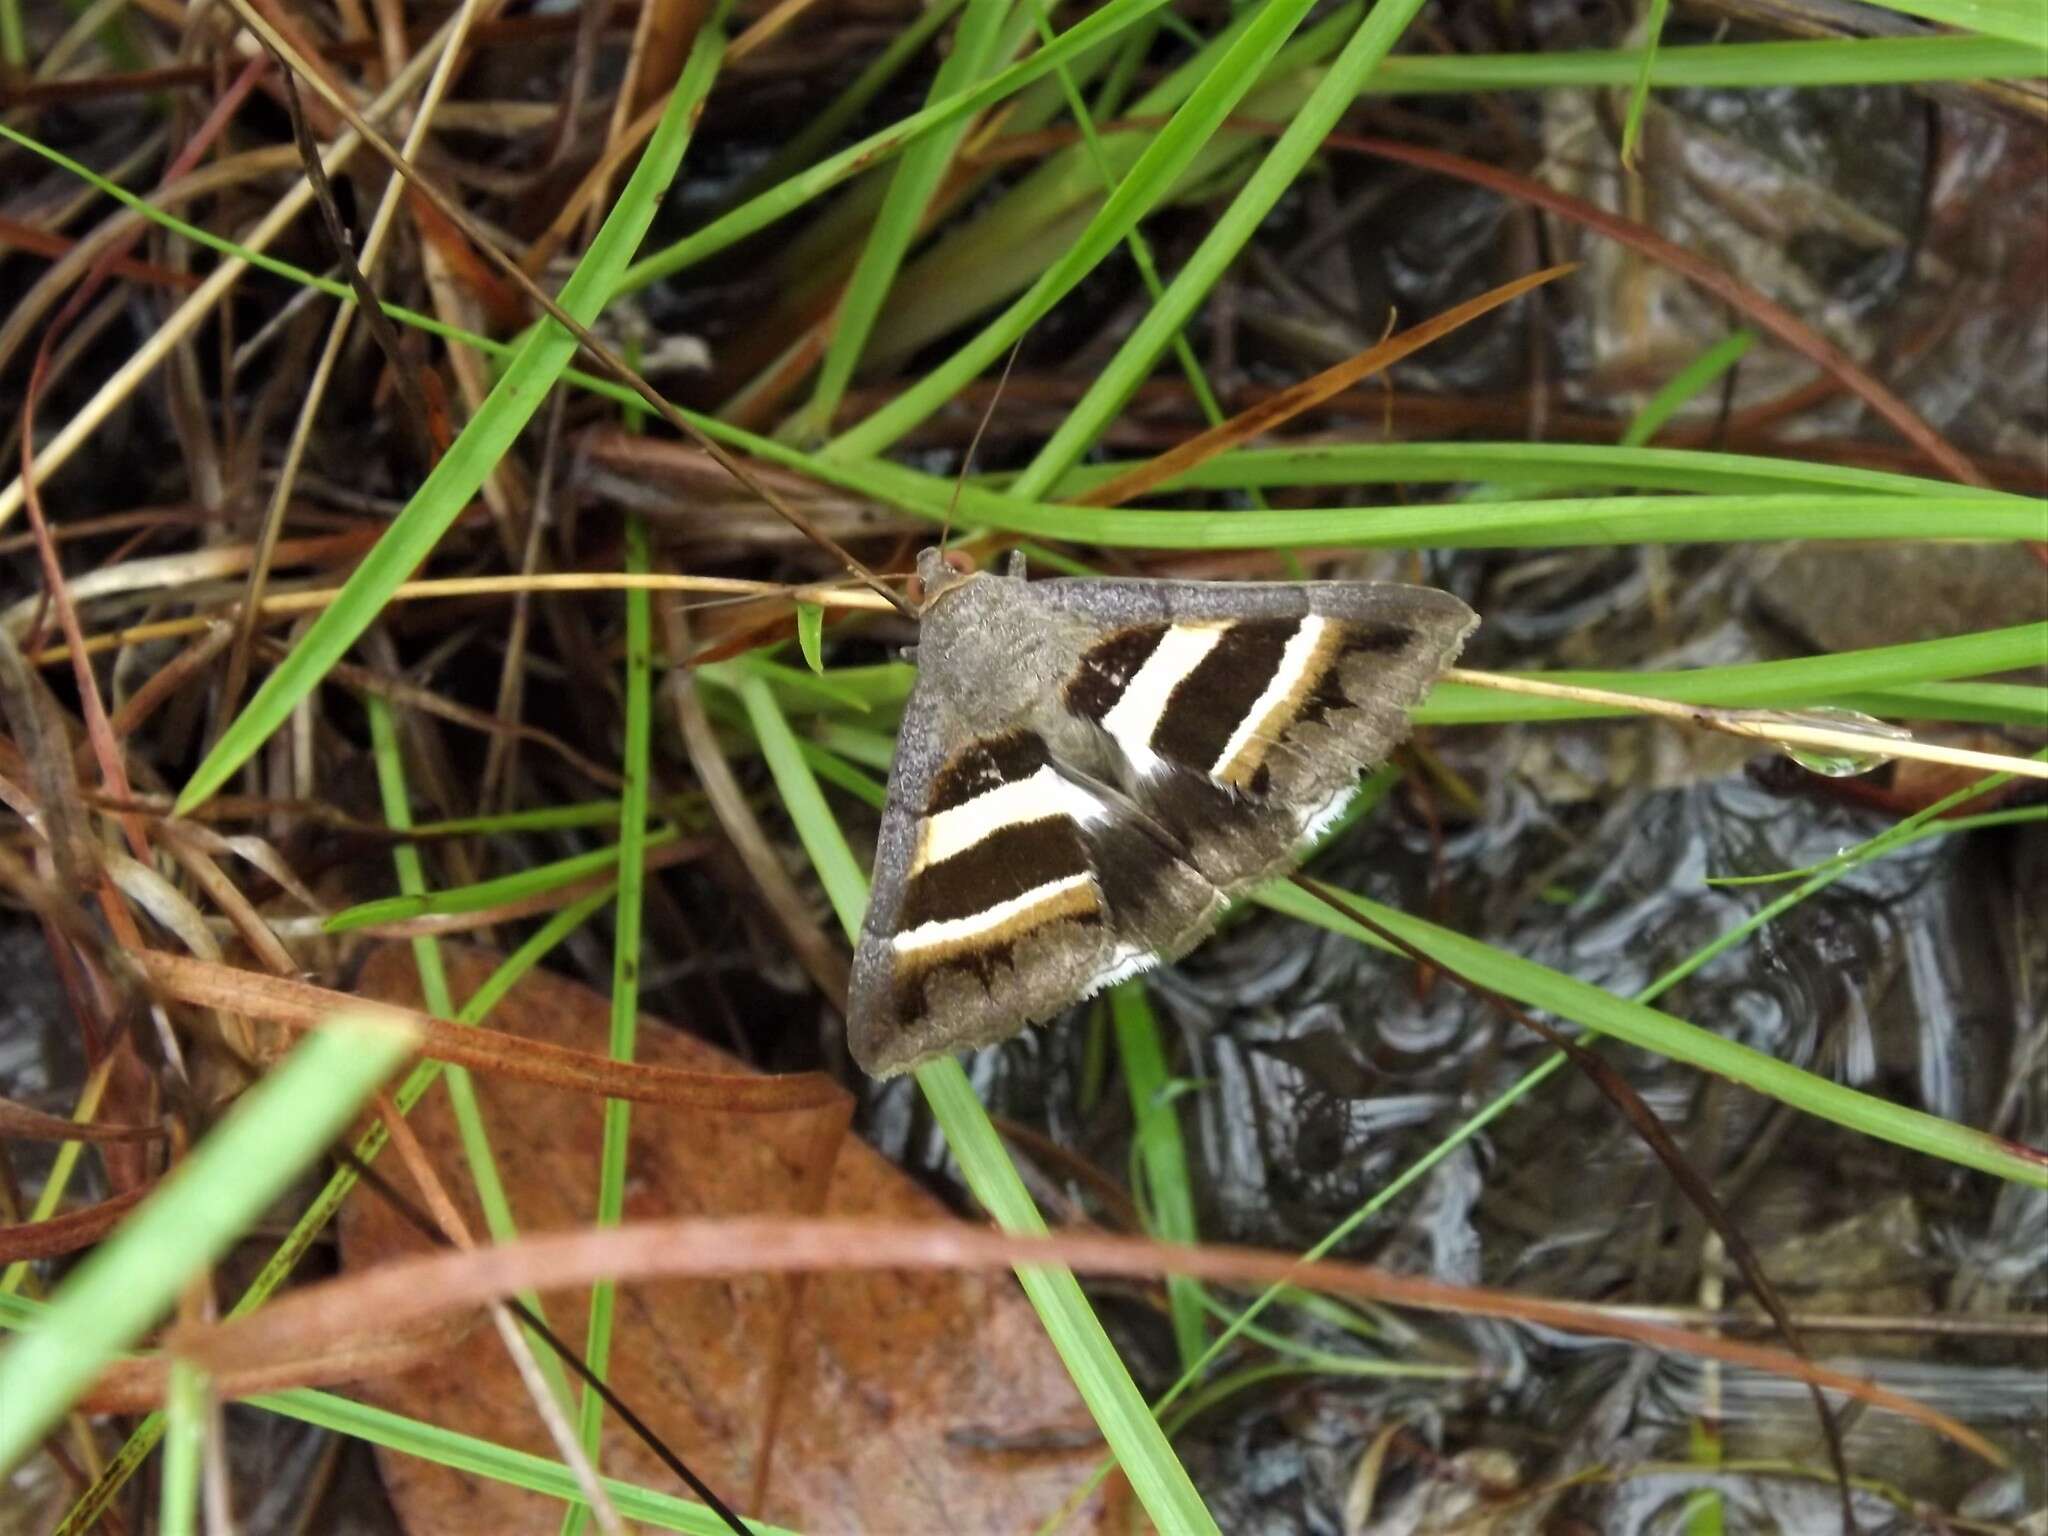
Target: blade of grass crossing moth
[84,1515]
[1639,96]
[210,1199]
[810,633]
[1926,823]
[916,178]
[1166,155]
[1134,1437]
[1284,162]
[634,770]
[1157,1149]
[482,442]
[1695,378]
[426,953]
[1537,986]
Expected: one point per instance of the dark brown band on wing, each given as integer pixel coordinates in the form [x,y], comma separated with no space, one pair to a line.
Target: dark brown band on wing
[1107,667]
[984,962]
[983,765]
[1008,862]
[1208,705]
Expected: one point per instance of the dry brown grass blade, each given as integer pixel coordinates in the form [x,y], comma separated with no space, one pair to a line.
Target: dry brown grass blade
[67,1233]
[299,1005]
[138,1385]
[412,1290]
[1307,395]
[21,1122]
[26,237]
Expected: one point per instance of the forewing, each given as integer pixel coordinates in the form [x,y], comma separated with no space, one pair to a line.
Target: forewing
[1244,713]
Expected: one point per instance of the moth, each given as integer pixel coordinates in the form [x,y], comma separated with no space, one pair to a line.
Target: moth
[1089,771]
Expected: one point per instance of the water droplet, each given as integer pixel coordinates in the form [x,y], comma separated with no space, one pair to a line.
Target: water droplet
[1836,762]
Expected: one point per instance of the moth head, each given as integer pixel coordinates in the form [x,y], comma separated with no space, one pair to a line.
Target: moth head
[940,571]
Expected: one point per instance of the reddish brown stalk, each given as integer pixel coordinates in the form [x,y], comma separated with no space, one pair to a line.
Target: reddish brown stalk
[408,1291]
[299,1005]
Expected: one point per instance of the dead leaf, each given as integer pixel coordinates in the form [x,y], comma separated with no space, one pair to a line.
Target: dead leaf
[923,1401]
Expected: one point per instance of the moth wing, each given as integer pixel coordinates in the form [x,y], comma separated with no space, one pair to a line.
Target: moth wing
[1244,713]
[987,912]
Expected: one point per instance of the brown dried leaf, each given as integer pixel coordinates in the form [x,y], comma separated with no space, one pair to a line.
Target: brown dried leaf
[913,1401]
[67,1233]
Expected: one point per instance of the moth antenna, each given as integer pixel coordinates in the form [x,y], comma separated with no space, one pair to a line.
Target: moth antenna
[974,442]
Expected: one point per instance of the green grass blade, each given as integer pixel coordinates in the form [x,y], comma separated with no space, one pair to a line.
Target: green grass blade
[1758,684]
[1284,162]
[480,445]
[1718,66]
[184,1440]
[635,769]
[1639,95]
[1574,521]
[482,895]
[1538,986]
[1693,379]
[2021,21]
[810,636]
[809,140]
[1161,1154]
[211,1198]
[477,1151]
[1599,465]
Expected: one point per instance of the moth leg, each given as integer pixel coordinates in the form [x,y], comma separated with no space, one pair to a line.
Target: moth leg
[1013,564]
